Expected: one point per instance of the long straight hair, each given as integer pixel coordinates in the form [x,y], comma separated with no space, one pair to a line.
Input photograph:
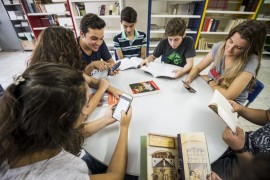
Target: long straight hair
[254,32]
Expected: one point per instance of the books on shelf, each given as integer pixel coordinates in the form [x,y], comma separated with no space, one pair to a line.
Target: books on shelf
[160,69]
[143,88]
[129,63]
[182,157]
[221,106]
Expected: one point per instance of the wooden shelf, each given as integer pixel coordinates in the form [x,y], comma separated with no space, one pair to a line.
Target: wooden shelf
[229,12]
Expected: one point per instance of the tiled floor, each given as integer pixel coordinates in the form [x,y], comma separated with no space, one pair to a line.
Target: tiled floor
[14,63]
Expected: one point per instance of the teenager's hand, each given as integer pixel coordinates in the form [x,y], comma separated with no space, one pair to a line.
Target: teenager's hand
[214,176]
[101,65]
[235,141]
[144,62]
[236,107]
[113,73]
[108,114]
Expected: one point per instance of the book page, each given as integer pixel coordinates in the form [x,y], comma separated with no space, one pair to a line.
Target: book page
[127,63]
[162,160]
[161,69]
[220,105]
[193,156]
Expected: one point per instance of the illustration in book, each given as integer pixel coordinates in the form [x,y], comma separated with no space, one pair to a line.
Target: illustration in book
[161,69]
[129,63]
[143,88]
[193,156]
[220,105]
[162,157]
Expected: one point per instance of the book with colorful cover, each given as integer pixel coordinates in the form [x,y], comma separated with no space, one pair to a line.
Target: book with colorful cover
[143,88]
[162,157]
[193,156]
[106,100]
[221,106]
[161,69]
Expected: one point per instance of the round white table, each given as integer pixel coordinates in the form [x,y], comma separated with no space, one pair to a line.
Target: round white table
[173,110]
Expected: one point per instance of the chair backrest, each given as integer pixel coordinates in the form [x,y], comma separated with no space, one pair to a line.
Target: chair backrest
[1,90]
[255,91]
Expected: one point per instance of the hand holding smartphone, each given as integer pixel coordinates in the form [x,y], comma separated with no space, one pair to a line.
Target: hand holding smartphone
[123,104]
[115,66]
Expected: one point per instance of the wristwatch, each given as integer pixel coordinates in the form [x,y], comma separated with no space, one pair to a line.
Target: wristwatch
[209,80]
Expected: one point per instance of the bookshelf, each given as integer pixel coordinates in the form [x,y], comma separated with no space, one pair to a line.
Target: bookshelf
[160,12]
[108,10]
[220,17]
[264,15]
[45,13]
[20,23]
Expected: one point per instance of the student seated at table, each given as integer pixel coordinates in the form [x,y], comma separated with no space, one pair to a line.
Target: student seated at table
[41,118]
[58,44]
[177,48]
[236,61]
[130,42]
[95,53]
[243,146]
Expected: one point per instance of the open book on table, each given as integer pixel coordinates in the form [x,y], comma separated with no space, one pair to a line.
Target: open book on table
[161,69]
[184,156]
[220,105]
[106,100]
[130,63]
[143,88]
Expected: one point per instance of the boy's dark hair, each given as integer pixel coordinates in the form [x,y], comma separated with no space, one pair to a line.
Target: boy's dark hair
[176,26]
[129,15]
[92,21]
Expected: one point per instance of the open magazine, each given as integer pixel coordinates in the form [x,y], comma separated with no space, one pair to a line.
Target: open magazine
[130,63]
[161,69]
[220,105]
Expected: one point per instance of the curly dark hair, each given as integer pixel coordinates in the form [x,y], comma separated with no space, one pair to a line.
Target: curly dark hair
[129,15]
[41,111]
[176,26]
[92,21]
[57,44]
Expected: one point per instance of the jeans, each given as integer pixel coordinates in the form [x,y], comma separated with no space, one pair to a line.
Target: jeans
[97,167]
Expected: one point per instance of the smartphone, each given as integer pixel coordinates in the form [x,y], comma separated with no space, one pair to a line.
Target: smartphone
[123,104]
[189,88]
[115,66]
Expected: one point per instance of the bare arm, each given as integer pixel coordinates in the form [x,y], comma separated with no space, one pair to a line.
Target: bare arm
[119,54]
[92,127]
[94,83]
[195,71]
[256,116]
[143,52]
[237,86]
[186,68]
[117,166]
